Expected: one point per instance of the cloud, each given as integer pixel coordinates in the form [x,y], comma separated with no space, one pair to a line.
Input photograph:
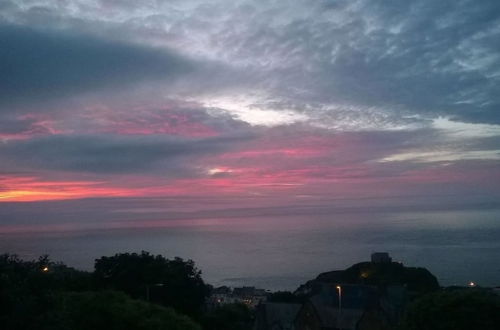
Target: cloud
[109,154]
[382,59]
[460,130]
[43,64]
[403,58]
[444,156]
[336,95]
[452,142]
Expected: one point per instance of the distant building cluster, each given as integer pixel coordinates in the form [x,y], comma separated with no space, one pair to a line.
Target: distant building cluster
[247,295]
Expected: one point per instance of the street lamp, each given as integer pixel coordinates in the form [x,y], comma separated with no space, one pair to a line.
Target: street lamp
[340,306]
[148,286]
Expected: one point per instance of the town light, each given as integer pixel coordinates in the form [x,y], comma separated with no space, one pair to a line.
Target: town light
[45,269]
[472,284]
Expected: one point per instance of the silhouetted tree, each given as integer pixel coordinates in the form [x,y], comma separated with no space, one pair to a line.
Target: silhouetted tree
[28,288]
[176,283]
[462,309]
[228,317]
[114,311]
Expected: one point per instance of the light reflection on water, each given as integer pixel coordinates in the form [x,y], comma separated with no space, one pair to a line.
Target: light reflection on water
[284,251]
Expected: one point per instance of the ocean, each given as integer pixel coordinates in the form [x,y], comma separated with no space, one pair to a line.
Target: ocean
[283,251]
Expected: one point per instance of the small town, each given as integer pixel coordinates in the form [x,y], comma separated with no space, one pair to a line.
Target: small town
[146,291]
[338,300]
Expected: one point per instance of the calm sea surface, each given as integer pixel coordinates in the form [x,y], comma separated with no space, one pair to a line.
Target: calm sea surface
[282,252]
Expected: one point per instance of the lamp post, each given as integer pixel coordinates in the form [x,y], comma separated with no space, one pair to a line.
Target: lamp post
[340,306]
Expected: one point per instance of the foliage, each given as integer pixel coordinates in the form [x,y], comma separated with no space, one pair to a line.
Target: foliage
[114,310]
[42,294]
[459,309]
[228,317]
[27,289]
[41,274]
[176,283]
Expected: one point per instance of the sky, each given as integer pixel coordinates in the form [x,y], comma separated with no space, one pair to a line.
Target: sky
[236,107]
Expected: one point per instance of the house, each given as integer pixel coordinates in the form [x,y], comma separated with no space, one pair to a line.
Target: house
[220,296]
[372,320]
[250,295]
[276,316]
[314,315]
[393,301]
[347,308]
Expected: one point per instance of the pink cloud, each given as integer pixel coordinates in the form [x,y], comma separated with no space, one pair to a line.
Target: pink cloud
[25,189]
[144,121]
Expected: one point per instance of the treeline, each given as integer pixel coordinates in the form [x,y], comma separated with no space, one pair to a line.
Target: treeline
[125,291]
[144,291]
[454,308]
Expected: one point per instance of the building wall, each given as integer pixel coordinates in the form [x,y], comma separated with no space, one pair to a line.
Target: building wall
[307,318]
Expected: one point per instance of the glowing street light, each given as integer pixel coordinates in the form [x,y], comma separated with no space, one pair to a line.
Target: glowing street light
[148,286]
[340,306]
[45,269]
[472,284]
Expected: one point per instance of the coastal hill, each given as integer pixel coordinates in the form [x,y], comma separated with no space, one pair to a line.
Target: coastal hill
[381,272]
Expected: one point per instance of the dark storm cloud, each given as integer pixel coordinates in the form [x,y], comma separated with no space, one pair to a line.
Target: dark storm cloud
[38,65]
[112,154]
